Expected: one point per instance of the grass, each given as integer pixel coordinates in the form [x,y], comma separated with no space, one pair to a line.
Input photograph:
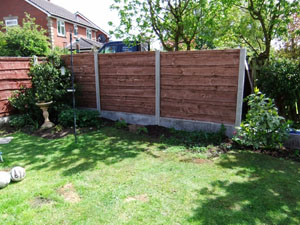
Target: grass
[110,166]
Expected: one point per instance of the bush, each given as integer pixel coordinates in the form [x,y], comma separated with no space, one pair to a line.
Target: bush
[263,126]
[28,40]
[280,80]
[23,120]
[23,101]
[48,84]
[84,118]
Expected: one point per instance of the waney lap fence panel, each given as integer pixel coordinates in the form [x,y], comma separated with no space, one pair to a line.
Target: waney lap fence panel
[84,75]
[185,90]
[200,85]
[127,82]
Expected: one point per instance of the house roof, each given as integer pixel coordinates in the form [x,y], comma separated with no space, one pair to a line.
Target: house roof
[85,44]
[58,11]
[91,22]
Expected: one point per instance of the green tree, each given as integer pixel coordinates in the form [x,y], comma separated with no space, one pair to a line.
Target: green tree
[176,23]
[260,22]
[291,45]
[27,40]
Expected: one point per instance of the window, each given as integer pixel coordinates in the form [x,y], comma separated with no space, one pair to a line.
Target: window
[11,22]
[110,49]
[61,28]
[89,33]
[75,30]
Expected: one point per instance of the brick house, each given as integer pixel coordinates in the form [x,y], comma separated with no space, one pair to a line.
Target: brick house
[58,21]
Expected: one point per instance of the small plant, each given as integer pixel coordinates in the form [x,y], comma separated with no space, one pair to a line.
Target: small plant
[121,124]
[58,128]
[263,126]
[84,118]
[142,130]
[200,149]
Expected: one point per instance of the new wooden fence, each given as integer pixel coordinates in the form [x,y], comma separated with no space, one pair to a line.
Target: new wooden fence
[200,85]
[204,86]
[13,75]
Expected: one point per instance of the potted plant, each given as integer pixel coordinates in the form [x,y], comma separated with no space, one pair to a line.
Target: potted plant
[48,84]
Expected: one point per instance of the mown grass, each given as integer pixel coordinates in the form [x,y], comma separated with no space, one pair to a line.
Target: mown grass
[109,166]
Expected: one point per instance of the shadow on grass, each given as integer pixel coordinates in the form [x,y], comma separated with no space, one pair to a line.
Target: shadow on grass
[268,192]
[108,146]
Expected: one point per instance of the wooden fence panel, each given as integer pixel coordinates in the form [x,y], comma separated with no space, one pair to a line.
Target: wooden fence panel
[200,85]
[13,75]
[194,85]
[84,76]
[127,82]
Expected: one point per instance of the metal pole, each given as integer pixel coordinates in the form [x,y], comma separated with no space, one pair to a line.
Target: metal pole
[73,91]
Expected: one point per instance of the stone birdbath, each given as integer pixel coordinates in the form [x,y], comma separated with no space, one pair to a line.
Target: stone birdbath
[44,107]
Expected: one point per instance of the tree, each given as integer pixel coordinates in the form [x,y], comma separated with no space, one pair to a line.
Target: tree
[291,46]
[268,19]
[176,23]
[26,40]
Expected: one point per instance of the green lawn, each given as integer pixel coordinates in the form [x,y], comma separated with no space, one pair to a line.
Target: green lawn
[124,178]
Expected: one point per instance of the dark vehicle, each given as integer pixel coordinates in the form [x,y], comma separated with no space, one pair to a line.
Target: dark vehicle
[120,46]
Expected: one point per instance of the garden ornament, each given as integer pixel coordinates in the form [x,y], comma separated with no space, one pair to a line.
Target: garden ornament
[44,107]
[4,179]
[17,173]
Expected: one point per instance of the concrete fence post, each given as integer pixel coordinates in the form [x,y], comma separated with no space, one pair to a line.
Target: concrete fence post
[97,81]
[157,87]
[240,92]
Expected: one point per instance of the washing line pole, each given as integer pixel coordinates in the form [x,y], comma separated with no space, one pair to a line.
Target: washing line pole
[73,90]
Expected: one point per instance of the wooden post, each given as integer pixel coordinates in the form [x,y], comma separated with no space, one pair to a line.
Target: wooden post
[157,87]
[240,93]
[97,81]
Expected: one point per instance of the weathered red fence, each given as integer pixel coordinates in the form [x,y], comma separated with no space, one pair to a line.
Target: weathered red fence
[13,75]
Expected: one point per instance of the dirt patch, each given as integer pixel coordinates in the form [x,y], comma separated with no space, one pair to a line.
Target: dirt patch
[41,201]
[69,193]
[196,160]
[51,133]
[141,198]
[158,131]
[285,153]
[5,129]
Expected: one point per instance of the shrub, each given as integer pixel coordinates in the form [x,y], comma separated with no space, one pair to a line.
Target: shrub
[23,101]
[84,118]
[263,126]
[28,40]
[48,84]
[280,80]
[23,120]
